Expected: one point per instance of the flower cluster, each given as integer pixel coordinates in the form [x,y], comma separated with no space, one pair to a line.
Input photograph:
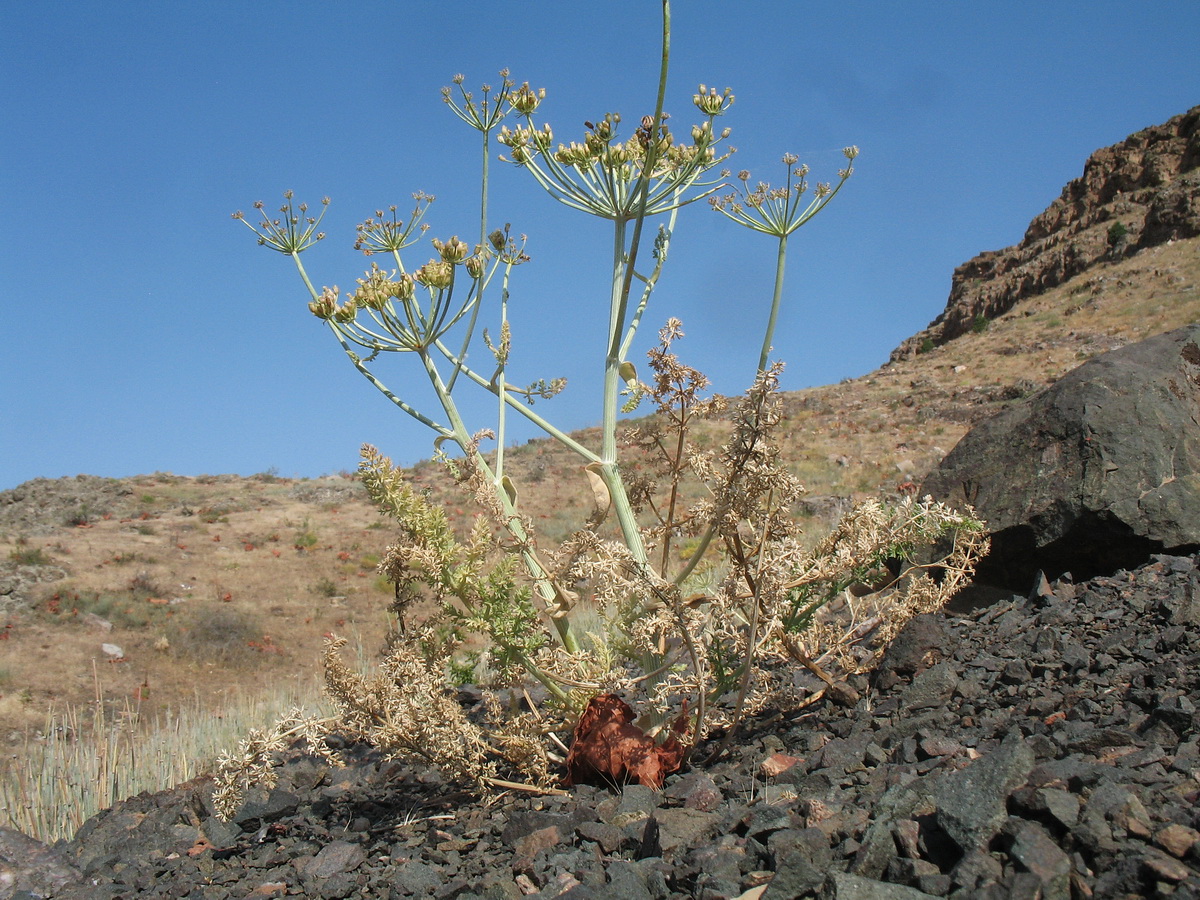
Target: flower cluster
[292,233]
[612,177]
[778,210]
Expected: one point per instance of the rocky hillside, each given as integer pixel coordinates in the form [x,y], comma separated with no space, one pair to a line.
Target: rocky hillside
[1140,193]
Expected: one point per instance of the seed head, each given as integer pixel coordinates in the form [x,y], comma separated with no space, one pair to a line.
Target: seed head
[436,274]
[453,250]
[326,305]
[525,100]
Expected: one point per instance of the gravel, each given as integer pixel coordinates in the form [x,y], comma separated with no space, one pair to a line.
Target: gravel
[1038,747]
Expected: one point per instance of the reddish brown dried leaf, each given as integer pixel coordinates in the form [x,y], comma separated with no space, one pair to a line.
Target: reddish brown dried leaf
[609,749]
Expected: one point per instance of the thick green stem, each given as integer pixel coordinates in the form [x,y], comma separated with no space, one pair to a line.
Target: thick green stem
[780,264]
[623,267]
[609,471]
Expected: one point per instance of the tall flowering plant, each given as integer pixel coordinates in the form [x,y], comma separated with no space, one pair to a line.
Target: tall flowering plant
[697,641]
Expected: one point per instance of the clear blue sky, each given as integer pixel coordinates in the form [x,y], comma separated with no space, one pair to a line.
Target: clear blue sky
[146,330]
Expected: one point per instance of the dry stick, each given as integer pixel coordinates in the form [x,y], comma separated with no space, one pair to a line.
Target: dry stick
[738,552]
[676,464]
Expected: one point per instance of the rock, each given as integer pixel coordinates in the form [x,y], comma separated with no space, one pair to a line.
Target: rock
[929,690]
[1148,183]
[1177,839]
[1097,473]
[1035,852]
[844,886]
[31,868]
[972,802]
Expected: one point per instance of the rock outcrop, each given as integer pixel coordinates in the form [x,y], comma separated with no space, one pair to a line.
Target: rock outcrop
[1139,193]
[1095,473]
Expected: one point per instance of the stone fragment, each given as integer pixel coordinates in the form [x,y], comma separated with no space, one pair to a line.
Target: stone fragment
[679,829]
[1177,839]
[529,846]
[1163,867]
[971,802]
[929,690]
[335,857]
[844,886]
[1036,853]
[696,789]
[801,858]
[776,764]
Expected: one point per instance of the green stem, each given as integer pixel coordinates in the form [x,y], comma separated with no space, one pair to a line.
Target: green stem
[483,211]
[780,264]
[622,280]
[609,472]
[561,436]
[542,580]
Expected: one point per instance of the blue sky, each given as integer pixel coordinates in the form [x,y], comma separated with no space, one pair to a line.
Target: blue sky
[146,331]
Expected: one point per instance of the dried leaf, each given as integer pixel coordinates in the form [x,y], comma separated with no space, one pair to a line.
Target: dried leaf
[609,749]
[601,498]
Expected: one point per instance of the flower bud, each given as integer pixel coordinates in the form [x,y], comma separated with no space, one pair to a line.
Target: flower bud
[346,313]
[402,289]
[475,266]
[453,250]
[712,103]
[436,274]
[325,305]
[525,101]
[850,152]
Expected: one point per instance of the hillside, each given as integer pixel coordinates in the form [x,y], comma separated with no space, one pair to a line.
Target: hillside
[214,584]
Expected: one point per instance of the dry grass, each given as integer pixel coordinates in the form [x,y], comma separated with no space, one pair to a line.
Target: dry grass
[85,759]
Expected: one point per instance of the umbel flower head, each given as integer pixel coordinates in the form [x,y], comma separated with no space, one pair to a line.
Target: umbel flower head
[778,210]
[397,319]
[293,232]
[389,233]
[610,177]
[488,112]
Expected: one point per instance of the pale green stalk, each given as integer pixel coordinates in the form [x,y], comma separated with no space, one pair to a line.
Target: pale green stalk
[542,580]
[483,212]
[524,409]
[780,265]
[617,340]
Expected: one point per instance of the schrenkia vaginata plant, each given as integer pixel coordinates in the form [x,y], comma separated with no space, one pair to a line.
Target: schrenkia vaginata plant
[706,609]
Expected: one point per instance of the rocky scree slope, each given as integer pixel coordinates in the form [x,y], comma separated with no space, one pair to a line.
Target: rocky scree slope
[1044,746]
[1140,193]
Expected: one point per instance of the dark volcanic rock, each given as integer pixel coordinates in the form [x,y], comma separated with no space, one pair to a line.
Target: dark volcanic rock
[1070,781]
[29,868]
[1094,474]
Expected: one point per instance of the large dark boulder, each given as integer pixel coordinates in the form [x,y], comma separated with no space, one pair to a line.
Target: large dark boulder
[1094,474]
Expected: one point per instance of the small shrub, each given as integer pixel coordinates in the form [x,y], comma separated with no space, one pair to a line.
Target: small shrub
[305,538]
[980,325]
[215,634]
[24,555]
[1116,231]
[327,588]
[926,345]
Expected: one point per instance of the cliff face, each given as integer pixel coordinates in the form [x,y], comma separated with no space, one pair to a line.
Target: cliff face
[1138,193]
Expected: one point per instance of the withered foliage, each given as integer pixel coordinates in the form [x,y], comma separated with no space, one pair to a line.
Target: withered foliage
[727,613]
